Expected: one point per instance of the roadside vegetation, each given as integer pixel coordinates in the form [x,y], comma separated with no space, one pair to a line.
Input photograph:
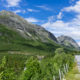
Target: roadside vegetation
[73,74]
[26,67]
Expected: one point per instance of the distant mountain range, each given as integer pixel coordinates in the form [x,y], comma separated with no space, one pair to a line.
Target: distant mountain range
[17,28]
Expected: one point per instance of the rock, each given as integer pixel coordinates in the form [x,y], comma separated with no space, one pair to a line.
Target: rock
[26,29]
[68,42]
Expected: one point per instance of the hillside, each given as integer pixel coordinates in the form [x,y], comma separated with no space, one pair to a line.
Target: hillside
[11,40]
[25,29]
[16,34]
[68,42]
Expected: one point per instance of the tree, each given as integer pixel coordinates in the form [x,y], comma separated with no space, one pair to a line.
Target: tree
[3,64]
[59,51]
[1,75]
[6,73]
[33,70]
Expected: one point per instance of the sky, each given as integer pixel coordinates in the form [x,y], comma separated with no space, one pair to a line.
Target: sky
[61,17]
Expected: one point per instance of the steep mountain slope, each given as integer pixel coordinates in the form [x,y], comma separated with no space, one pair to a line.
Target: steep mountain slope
[16,34]
[11,40]
[26,29]
[68,42]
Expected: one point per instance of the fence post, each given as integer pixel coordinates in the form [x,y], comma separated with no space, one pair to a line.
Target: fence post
[54,78]
[65,69]
[60,74]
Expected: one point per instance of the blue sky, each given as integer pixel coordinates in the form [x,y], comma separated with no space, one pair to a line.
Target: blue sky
[61,17]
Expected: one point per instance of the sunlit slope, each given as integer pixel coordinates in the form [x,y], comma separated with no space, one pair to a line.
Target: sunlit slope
[11,40]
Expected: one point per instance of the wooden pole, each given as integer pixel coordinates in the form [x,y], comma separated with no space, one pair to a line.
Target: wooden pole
[54,78]
[60,74]
[65,69]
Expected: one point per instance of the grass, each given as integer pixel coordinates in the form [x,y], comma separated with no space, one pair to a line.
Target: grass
[74,74]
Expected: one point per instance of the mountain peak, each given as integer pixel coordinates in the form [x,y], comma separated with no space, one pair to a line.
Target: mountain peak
[68,42]
[4,12]
[26,29]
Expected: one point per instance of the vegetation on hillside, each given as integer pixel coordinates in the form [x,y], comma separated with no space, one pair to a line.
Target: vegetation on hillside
[11,40]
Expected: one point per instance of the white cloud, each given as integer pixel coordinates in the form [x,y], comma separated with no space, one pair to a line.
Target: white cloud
[19,11]
[32,10]
[59,16]
[75,8]
[51,18]
[13,3]
[60,27]
[79,43]
[31,19]
[45,8]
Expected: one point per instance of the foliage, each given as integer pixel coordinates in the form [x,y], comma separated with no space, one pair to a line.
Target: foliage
[33,70]
[59,51]
[47,68]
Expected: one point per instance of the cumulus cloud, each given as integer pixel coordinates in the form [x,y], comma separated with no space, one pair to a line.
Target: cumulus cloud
[13,3]
[59,27]
[75,8]
[31,19]
[71,28]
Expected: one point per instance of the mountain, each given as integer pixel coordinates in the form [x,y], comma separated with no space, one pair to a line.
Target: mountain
[16,34]
[68,42]
[26,29]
